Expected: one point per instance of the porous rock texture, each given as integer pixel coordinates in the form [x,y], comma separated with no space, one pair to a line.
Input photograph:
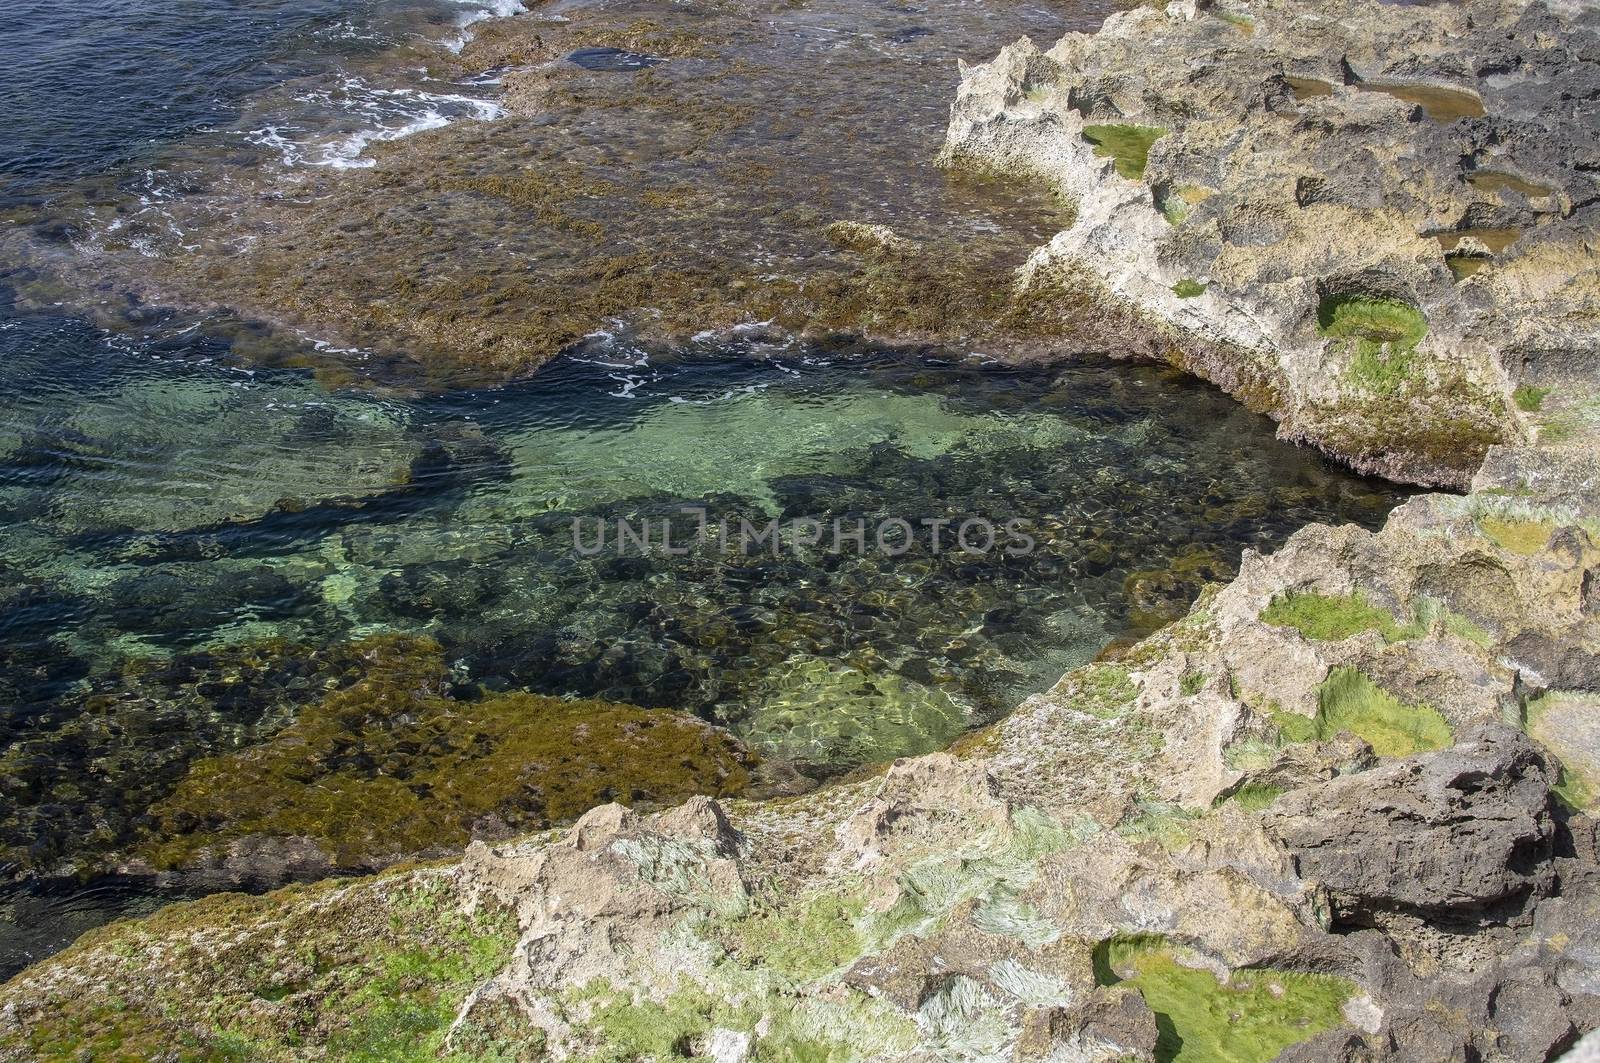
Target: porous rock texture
[1295,181]
[1344,810]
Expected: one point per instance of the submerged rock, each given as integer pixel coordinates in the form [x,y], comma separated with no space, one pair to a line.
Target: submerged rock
[392,767]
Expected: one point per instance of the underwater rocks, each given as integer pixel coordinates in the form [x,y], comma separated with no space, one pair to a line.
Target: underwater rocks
[195,450]
[392,767]
[264,763]
[1279,192]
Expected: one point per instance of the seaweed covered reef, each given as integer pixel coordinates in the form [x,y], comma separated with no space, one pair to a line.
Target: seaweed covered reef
[702,190]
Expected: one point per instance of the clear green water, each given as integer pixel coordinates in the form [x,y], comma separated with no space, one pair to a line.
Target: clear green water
[171,523]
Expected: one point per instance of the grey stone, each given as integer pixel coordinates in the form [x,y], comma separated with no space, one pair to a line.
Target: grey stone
[1456,831]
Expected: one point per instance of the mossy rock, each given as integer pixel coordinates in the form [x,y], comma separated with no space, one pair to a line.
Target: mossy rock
[1564,723]
[393,766]
[1447,440]
[1128,146]
[375,970]
[1349,701]
[1249,1017]
[1104,690]
[1522,537]
[803,941]
[1331,618]
[1529,399]
[1383,333]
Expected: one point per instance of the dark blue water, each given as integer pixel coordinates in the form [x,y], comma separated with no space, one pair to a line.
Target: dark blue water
[94,85]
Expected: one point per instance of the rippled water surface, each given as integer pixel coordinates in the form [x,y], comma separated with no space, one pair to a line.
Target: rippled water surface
[91,84]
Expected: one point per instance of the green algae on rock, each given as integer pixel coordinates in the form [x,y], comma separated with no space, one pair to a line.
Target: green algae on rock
[1126,145]
[1330,618]
[1250,1016]
[371,970]
[1383,332]
[1349,701]
[391,767]
[1565,723]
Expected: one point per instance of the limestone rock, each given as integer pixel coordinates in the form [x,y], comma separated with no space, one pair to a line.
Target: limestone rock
[1114,1023]
[1250,182]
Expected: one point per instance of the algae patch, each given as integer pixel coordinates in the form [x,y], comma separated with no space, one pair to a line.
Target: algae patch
[1568,724]
[1382,334]
[1330,618]
[1529,399]
[805,941]
[1349,701]
[1128,146]
[1250,1017]
[374,971]
[392,766]
[1522,537]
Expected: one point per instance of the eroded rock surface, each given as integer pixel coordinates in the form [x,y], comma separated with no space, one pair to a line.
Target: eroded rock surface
[1459,830]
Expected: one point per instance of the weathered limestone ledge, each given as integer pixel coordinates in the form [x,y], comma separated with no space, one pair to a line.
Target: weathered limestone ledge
[1380,274]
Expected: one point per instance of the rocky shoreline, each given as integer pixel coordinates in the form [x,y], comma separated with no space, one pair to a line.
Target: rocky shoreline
[1351,796]
[1374,227]
[1344,809]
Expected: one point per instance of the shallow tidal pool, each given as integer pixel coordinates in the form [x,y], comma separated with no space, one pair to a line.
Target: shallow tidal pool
[171,522]
[192,552]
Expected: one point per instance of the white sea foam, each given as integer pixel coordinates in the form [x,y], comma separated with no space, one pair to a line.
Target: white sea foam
[379,114]
[478,12]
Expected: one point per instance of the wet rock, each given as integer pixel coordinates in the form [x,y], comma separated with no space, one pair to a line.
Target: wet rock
[1463,833]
